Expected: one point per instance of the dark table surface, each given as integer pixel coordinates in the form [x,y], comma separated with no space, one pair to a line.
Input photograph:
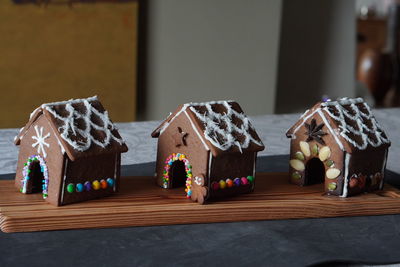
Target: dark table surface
[368,239]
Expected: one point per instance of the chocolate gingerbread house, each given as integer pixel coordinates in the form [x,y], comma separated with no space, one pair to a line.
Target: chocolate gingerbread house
[339,143]
[208,148]
[70,152]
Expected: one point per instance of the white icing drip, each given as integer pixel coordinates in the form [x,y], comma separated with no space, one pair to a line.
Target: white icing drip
[33,112]
[115,173]
[212,121]
[65,178]
[209,167]
[197,132]
[69,124]
[346,174]
[40,141]
[358,117]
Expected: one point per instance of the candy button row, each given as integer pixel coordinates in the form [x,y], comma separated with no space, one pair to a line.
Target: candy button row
[88,186]
[230,183]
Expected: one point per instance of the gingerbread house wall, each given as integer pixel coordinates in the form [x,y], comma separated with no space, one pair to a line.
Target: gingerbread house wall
[54,158]
[232,165]
[366,170]
[194,150]
[90,169]
[337,156]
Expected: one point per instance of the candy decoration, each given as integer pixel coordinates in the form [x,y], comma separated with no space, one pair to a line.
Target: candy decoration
[332,173]
[26,172]
[236,181]
[332,186]
[215,186]
[305,148]
[96,185]
[324,153]
[244,181]
[229,183]
[222,184]
[188,168]
[250,179]
[299,155]
[70,188]
[79,187]
[314,150]
[88,186]
[297,164]
[103,184]
[296,175]
[110,182]
[330,163]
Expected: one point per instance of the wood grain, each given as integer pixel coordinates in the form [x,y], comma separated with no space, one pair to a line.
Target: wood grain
[142,203]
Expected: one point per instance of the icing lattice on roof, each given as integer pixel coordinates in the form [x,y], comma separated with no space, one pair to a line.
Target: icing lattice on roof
[227,129]
[77,126]
[356,123]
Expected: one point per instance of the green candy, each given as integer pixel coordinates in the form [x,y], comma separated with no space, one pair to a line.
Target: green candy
[296,175]
[314,149]
[329,163]
[331,186]
[71,188]
[298,155]
[250,178]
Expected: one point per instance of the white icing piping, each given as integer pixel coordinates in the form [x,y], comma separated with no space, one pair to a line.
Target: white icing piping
[115,172]
[383,170]
[318,110]
[69,124]
[64,178]
[304,120]
[331,130]
[347,157]
[162,129]
[209,167]
[40,141]
[358,117]
[212,121]
[197,132]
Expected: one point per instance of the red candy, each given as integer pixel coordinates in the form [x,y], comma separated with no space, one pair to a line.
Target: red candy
[215,186]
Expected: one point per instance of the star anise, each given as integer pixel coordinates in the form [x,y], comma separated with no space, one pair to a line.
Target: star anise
[315,132]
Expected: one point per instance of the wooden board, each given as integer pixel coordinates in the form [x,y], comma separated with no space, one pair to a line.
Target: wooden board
[141,203]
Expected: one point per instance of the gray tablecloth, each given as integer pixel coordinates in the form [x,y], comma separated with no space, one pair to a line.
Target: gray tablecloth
[372,239]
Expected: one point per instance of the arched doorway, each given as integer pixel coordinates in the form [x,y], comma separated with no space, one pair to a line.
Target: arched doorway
[314,172]
[35,176]
[178,173]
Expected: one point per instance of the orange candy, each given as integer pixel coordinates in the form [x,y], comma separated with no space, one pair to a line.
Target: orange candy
[229,183]
[103,184]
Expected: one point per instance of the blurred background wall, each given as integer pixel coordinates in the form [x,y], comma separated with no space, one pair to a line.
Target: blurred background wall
[317,53]
[205,50]
[276,56]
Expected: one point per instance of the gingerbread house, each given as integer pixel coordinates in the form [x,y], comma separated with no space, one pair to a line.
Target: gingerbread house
[70,152]
[209,148]
[339,143]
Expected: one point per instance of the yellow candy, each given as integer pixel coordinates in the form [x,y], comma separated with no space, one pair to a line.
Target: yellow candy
[96,185]
[222,184]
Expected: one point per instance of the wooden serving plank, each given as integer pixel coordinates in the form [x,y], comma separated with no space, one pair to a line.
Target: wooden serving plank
[141,203]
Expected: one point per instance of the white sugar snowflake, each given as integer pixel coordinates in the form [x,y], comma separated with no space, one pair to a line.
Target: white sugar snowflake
[40,140]
[197,180]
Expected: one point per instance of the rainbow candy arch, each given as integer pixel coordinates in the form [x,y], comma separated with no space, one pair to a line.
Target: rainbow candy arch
[188,168]
[26,171]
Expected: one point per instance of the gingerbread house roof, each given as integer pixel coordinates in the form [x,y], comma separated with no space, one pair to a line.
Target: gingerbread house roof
[350,121]
[221,125]
[82,126]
